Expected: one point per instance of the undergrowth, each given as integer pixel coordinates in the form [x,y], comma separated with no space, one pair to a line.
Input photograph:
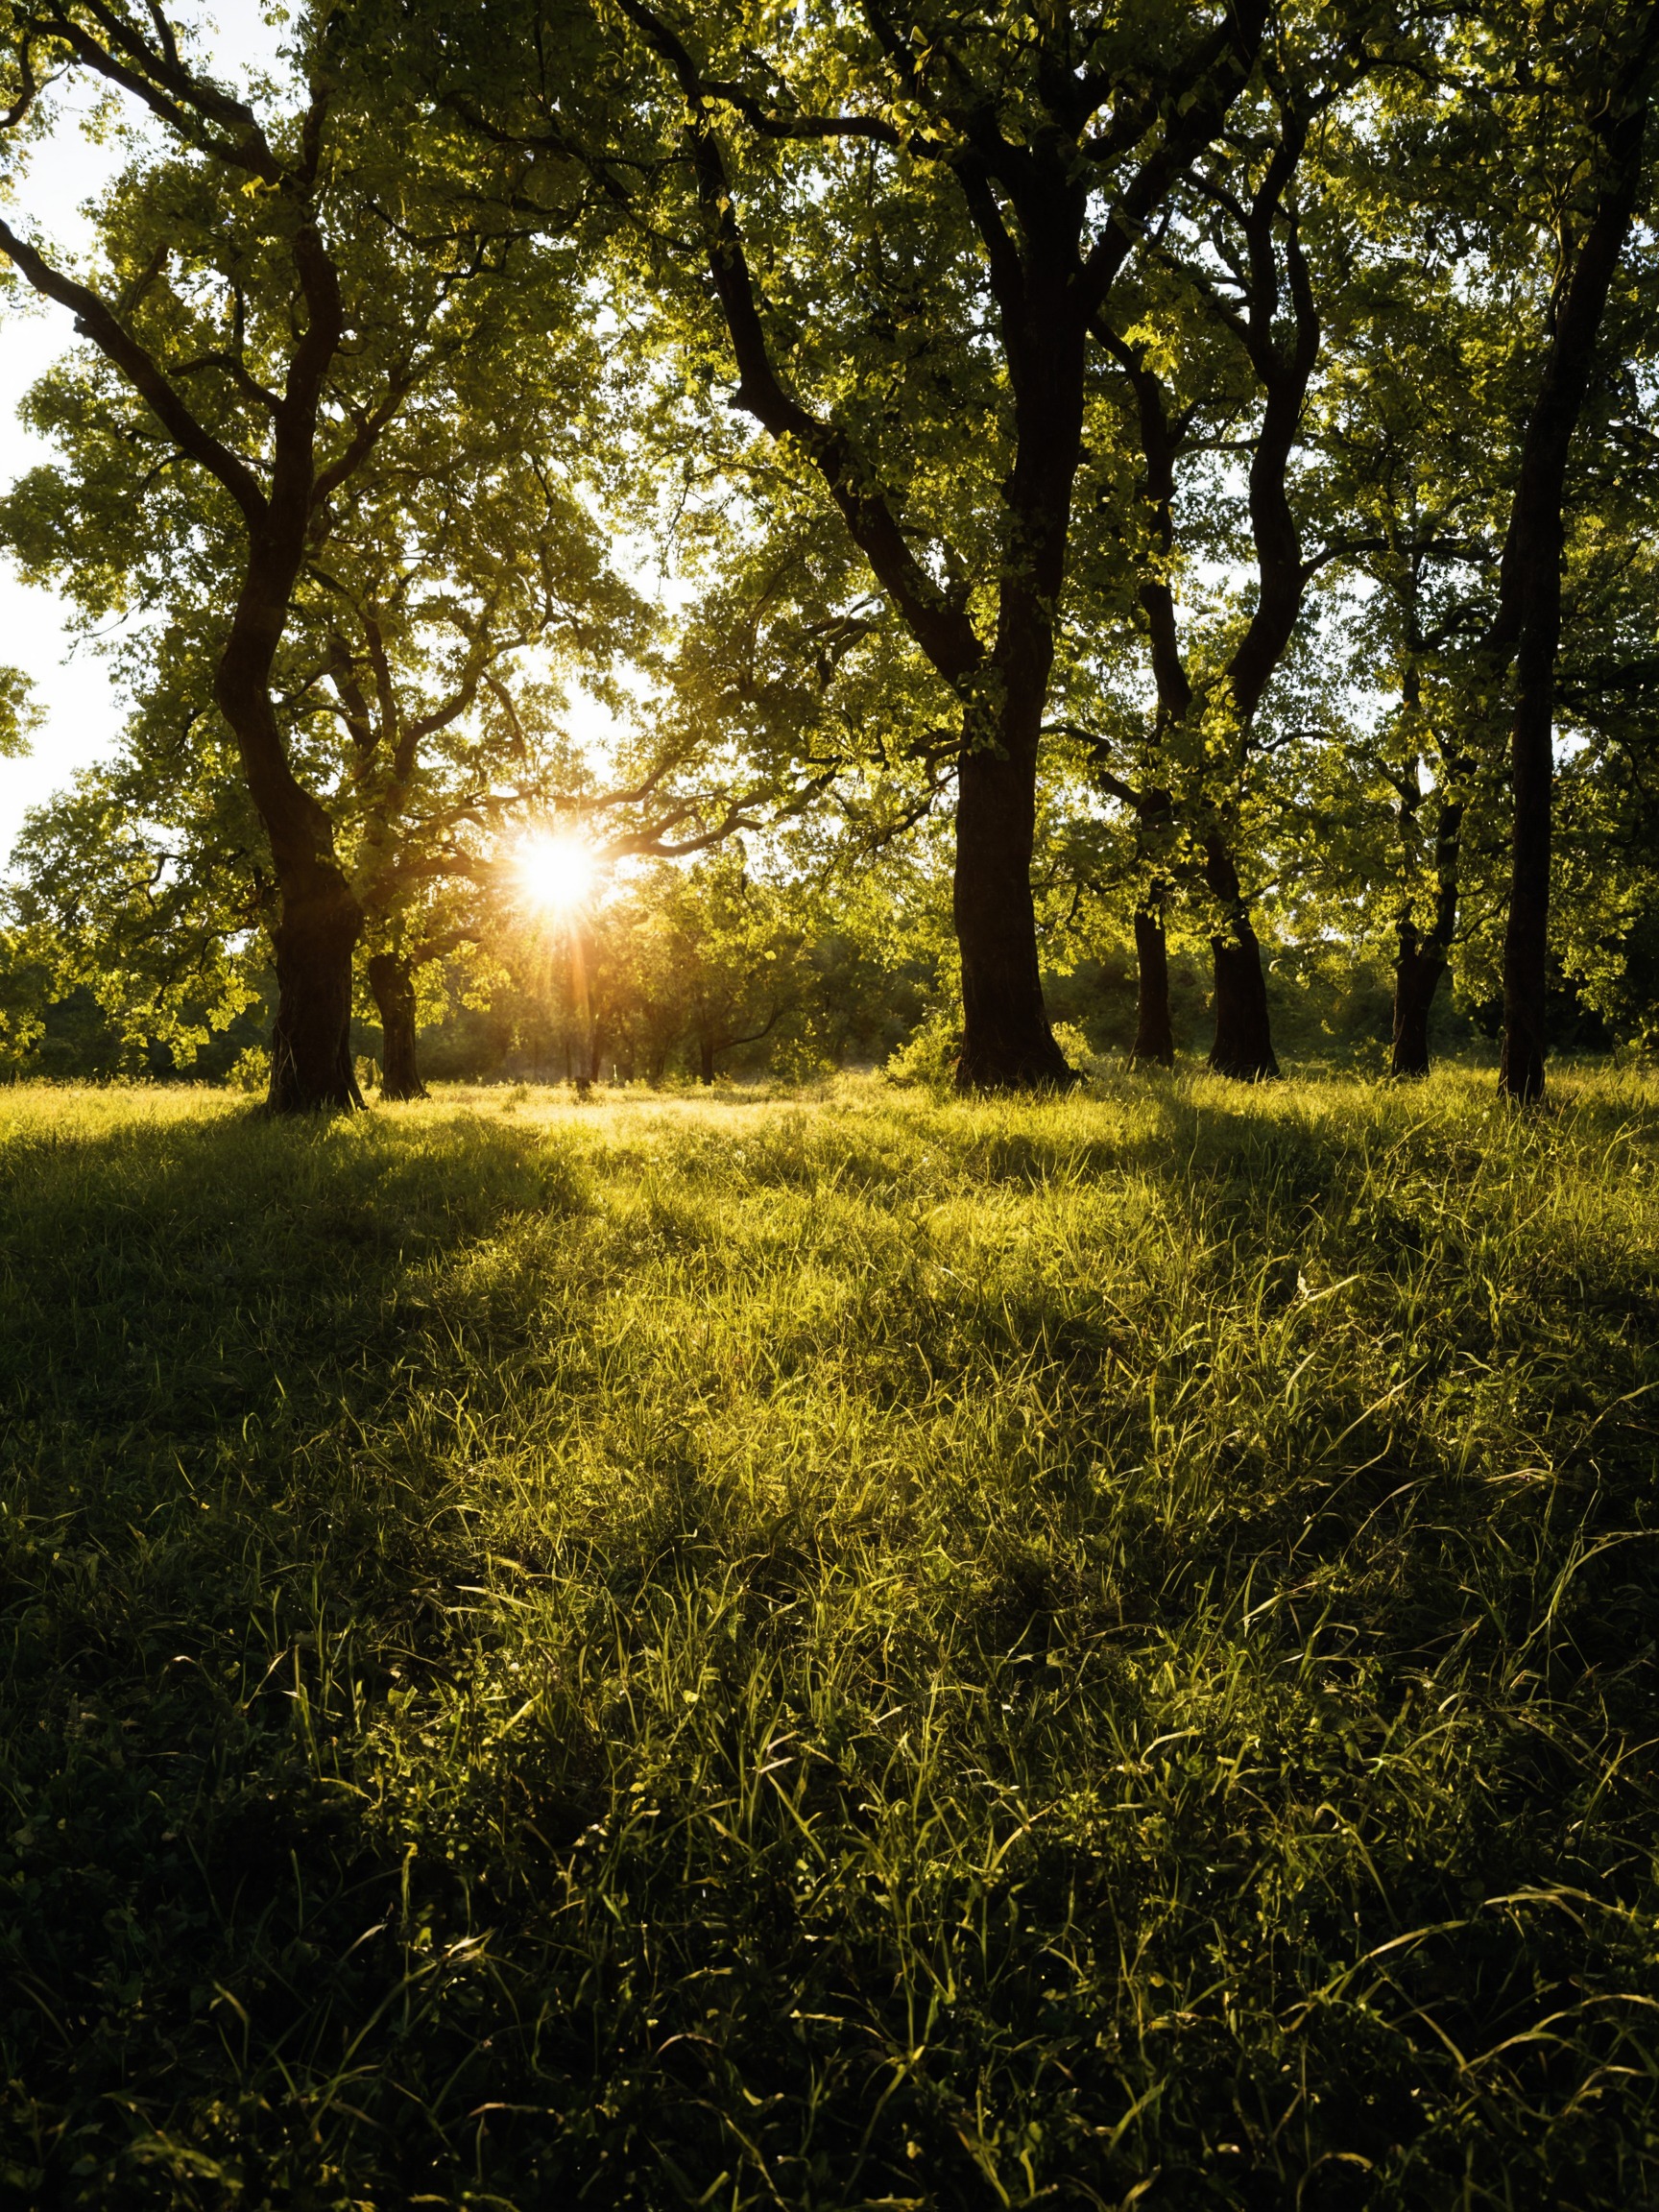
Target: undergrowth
[864,1652]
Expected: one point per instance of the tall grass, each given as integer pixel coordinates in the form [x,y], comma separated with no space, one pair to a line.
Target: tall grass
[862,1651]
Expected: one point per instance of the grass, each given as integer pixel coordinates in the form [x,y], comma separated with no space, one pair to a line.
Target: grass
[867,1651]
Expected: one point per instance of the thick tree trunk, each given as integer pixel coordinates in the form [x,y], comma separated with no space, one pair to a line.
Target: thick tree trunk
[1154,1036]
[1418,968]
[321,918]
[1006,1042]
[311,1039]
[1243,1046]
[315,943]
[706,1059]
[393,983]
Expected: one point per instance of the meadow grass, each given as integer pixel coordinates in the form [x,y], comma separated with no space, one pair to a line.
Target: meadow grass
[860,1652]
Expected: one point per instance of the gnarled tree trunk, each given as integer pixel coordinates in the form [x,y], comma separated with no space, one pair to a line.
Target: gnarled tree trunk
[393,983]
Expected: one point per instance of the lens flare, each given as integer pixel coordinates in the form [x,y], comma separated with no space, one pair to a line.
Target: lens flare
[555,872]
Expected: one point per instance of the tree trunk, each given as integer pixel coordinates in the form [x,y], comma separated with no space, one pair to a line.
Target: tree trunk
[1049,278]
[1418,968]
[315,943]
[311,1039]
[393,983]
[706,1059]
[1531,580]
[319,921]
[1006,1042]
[1526,931]
[1154,1037]
[1422,960]
[1243,1046]
[321,918]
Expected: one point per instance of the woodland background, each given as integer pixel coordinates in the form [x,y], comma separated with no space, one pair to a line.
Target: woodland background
[427,466]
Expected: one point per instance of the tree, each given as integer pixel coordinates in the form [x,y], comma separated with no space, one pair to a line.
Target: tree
[1414,434]
[1500,195]
[272,314]
[1220,340]
[909,230]
[1613,74]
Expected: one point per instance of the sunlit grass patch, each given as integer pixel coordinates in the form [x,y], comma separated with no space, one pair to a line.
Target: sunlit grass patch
[882,1649]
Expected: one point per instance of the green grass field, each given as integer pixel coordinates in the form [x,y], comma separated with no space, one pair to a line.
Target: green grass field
[857,1652]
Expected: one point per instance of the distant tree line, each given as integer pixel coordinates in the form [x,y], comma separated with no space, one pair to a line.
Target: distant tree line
[1141,491]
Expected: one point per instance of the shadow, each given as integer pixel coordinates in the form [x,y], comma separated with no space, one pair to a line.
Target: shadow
[223,1543]
[938,1621]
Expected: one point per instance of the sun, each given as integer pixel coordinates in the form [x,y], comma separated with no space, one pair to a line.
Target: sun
[555,872]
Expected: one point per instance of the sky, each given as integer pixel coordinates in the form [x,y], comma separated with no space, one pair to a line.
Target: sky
[71,681]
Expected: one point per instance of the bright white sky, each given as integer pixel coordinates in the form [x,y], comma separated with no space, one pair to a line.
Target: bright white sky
[71,682]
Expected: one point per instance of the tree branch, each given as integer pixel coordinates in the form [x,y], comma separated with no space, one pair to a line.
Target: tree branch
[94,320]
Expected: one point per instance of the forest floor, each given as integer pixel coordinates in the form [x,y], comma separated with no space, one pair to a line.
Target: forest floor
[861,1650]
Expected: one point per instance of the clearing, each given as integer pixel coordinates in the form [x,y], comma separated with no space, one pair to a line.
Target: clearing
[860,1650]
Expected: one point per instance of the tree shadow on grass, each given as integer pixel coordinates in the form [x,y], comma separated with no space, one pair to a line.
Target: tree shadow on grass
[203,1576]
[239,1962]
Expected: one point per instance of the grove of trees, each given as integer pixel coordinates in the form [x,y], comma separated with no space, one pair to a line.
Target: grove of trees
[931,500]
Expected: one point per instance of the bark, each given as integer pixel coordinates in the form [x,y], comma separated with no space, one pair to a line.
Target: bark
[320,918]
[1421,957]
[706,1059]
[1006,1041]
[1154,1038]
[1531,579]
[311,1039]
[1527,930]
[393,983]
[1243,1044]
[1418,968]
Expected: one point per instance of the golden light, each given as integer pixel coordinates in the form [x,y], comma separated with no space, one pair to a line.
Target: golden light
[555,872]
